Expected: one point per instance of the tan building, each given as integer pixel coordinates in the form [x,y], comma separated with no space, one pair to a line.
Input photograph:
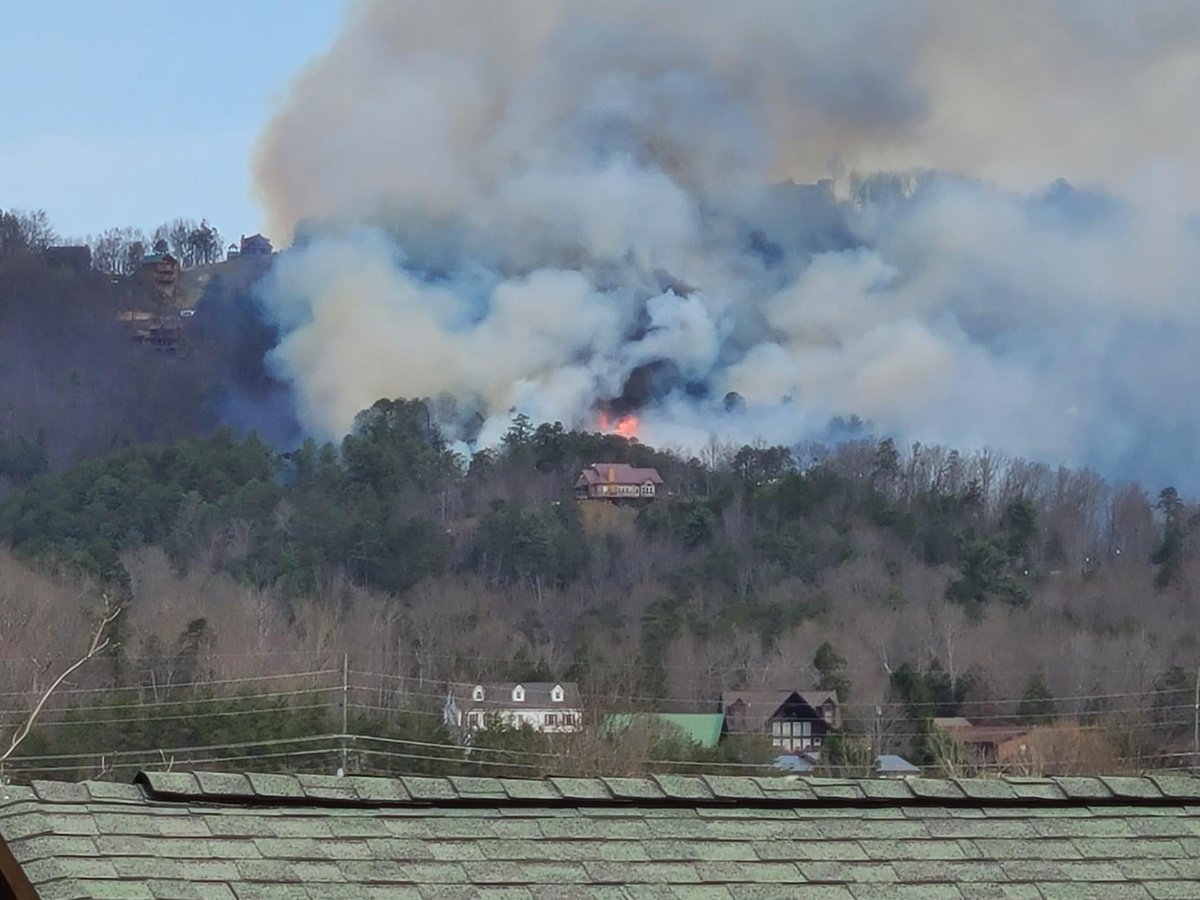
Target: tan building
[617,481]
[162,271]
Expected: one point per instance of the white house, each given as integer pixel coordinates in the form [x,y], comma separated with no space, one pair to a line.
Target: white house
[546,706]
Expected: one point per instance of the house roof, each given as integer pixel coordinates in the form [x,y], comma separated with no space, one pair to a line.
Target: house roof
[226,835]
[699,728]
[887,764]
[760,706]
[966,732]
[498,695]
[891,764]
[618,473]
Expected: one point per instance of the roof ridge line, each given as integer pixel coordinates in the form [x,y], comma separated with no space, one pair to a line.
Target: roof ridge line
[665,791]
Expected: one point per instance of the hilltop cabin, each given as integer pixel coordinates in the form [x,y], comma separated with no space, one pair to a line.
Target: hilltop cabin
[255,245]
[545,706]
[617,481]
[162,271]
[795,721]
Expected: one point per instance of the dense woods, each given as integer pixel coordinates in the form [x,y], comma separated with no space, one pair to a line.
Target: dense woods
[932,582]
[914,580]
[74,384]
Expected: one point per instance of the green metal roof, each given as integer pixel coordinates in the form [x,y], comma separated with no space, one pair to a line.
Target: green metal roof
[699,728]
[226,835]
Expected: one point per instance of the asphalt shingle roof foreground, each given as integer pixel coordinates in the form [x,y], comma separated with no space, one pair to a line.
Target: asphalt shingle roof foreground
[209,835]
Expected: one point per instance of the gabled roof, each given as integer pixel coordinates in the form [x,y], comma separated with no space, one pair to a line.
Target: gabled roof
[967,732]
[891,764]
[230,835]
[618,473]
[761,706]
[887,764]
[499,695]
[699,728]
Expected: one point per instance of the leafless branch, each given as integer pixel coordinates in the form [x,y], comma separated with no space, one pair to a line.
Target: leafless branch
[98,645]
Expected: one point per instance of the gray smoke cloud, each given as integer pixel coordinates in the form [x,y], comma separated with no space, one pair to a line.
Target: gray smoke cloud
[560,207]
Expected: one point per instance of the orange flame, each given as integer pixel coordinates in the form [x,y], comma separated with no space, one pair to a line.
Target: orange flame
[625,426]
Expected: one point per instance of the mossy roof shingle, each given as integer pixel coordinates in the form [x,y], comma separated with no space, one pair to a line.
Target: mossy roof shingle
[234,836]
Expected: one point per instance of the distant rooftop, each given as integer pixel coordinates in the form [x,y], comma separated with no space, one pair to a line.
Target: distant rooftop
[699,728]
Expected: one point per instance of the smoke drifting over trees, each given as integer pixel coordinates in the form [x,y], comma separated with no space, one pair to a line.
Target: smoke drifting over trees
[532,206]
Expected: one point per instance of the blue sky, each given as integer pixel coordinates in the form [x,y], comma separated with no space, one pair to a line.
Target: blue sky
[131,112]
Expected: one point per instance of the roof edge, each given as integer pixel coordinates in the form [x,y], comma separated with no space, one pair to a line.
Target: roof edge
[664,791]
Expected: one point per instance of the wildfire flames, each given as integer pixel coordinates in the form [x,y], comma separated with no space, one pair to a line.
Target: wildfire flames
[625,426]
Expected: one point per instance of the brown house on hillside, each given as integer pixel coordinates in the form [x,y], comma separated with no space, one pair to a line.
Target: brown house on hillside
[1056,748]
[992,744]
[162,271]
[617,481]
[255,245]
[794,720]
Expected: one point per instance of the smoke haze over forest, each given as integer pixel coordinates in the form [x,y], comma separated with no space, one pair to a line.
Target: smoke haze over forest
[563,208]
[898,301]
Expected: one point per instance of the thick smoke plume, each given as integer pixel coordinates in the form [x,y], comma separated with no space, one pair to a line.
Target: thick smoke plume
[568,208]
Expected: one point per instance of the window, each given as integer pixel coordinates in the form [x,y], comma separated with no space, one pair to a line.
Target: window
[518,694]
[827,709]
[474,720]
[557,694]
[551,718]
[477,694]
[792,735]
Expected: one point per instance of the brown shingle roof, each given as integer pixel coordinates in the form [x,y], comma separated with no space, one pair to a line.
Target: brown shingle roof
[969,733]
[618,473]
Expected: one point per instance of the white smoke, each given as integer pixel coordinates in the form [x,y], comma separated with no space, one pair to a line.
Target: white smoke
[522,204]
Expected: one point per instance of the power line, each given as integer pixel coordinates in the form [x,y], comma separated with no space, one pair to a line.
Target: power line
[208,683]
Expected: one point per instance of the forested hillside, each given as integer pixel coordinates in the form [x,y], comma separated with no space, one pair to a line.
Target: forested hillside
[986,573]
[909,578]
[73,382]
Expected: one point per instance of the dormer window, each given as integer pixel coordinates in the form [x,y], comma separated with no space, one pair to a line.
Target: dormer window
[518,694]
[557,694]
[477,694]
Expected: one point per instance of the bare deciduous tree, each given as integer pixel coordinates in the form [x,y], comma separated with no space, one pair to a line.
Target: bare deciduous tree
[100,641]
